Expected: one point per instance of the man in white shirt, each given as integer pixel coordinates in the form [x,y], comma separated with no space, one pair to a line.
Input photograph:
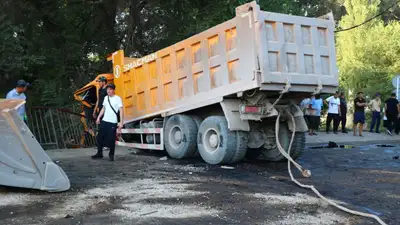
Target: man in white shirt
[333,103]
[112,115]
[375,106]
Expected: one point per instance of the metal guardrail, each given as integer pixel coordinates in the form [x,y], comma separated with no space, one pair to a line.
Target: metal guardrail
[58,128]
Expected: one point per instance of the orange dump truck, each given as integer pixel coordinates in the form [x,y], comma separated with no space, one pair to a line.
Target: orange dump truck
[219,92]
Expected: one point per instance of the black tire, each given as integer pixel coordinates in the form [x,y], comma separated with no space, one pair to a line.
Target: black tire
[185,145]
[298,146]
[198,120]
[241,148]
[271,152]
[227,145]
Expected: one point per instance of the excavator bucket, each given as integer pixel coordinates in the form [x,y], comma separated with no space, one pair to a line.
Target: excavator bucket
[23,162]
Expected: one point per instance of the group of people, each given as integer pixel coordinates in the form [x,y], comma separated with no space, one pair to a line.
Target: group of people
[108,113]
[337,112]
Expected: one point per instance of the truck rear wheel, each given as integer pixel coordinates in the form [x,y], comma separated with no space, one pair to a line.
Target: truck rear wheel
[241,148]
[198,120]
[270,151]
[217,144]
[180,134]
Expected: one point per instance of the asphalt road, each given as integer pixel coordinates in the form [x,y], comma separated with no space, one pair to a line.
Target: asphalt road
[139,188]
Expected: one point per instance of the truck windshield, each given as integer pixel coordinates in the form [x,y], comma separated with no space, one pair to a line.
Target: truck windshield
[89,96]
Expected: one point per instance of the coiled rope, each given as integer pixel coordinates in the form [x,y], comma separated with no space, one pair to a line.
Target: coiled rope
[307,173]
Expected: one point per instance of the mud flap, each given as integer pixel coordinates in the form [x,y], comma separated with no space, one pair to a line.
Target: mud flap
[23,162]
[301,125]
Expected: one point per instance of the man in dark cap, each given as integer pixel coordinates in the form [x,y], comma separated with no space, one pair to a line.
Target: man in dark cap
[19,93]
[100,97]
[111,119]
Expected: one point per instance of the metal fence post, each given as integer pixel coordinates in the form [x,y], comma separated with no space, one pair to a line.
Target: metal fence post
[54,128]
[61,129]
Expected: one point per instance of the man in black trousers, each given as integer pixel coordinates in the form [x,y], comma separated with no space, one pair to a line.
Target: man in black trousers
[392,109]
[112,120]
[343,112]
[333,103]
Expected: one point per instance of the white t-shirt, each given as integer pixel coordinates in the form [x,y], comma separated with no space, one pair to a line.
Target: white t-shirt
[109,114]
[333,104]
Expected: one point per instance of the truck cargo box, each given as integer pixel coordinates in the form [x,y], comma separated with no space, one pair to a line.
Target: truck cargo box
[255,50]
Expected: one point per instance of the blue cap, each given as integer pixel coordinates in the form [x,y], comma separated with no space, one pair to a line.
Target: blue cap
[22,83]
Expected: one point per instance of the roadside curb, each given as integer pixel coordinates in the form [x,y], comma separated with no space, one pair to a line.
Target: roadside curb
[354,143]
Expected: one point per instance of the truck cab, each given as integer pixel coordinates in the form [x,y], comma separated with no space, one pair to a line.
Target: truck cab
[88,94]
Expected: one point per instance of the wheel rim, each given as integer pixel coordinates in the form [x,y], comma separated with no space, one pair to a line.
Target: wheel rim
[175,137]
[211,140]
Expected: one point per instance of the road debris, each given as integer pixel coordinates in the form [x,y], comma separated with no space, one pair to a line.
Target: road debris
[134,151]
[277,178]
[332,144]
[164,158]
[145,214]
[227,167]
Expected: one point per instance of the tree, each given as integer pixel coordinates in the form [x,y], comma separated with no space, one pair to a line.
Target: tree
[367,55]
[62,44]
[14,60]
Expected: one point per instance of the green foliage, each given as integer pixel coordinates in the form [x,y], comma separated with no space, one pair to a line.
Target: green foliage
[14,59]
[368,56]
[60,45]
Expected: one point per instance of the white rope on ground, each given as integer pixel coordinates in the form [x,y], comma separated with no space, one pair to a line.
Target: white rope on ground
[290,160]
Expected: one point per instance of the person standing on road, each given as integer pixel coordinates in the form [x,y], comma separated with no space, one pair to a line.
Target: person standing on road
[333,103]
[112,118]
[375,106]
[316,105]
[100,96]
[305,106]
[19,93]
[343,112]
[392,110]
[359,114]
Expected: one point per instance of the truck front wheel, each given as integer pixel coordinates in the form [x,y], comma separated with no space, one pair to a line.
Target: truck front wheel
[217,144]
[180,134]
